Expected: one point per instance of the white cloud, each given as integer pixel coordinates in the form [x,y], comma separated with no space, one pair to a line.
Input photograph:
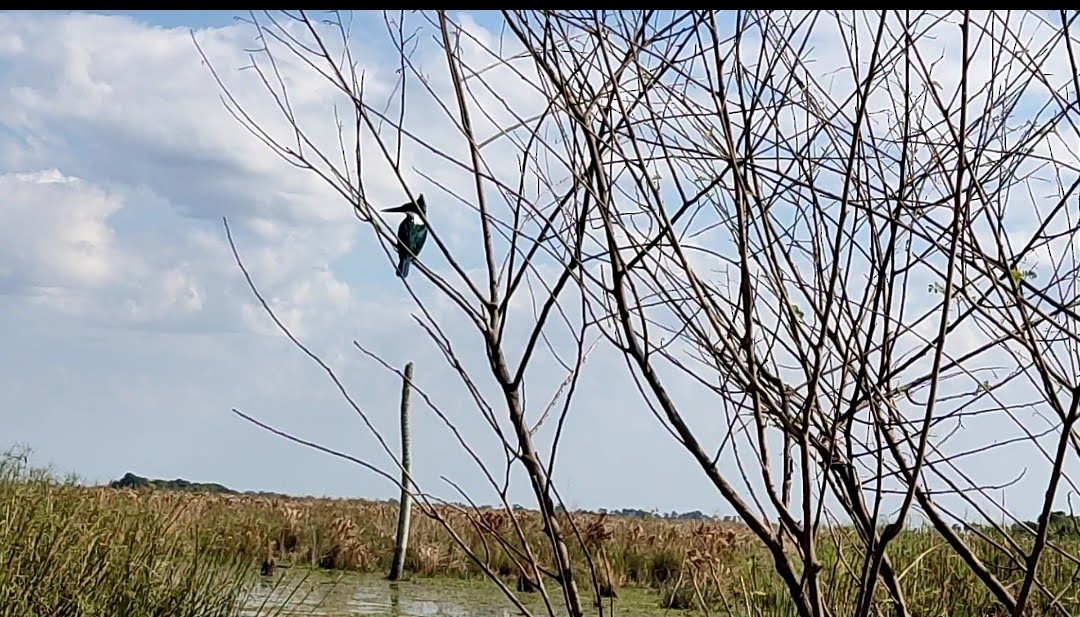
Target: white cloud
[114,212]
[54,232]
[60,249]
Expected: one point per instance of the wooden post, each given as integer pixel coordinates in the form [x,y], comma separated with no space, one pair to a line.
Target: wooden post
[405,504]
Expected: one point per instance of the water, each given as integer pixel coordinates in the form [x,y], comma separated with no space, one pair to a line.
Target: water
[323,595]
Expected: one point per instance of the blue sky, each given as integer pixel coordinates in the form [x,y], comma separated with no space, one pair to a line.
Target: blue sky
[128,333]
[217,19]
[179,19]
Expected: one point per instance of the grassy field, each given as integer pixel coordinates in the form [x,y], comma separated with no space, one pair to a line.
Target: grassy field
[69,549]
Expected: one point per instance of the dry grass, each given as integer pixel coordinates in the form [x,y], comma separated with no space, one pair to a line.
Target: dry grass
[68,543]
[689,563]
[66,550]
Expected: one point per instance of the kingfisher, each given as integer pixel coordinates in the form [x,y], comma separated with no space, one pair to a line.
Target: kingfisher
[411,233]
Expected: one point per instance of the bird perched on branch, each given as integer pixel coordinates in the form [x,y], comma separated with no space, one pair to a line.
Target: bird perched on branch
[411,233]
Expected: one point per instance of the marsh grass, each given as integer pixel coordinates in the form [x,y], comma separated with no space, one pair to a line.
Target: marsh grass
[66,550]
[73,550]
[691,564]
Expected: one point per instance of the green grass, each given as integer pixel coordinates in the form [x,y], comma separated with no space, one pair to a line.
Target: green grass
[66,551]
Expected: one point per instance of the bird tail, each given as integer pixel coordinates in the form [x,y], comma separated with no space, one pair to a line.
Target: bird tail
[403,266]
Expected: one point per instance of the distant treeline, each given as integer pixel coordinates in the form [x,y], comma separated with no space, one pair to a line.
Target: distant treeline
[1061,523]
[136,482]
[133,481]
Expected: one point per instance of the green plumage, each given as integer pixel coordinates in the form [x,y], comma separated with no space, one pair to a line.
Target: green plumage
[412,233]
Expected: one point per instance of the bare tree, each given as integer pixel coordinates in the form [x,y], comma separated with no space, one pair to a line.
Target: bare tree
[852,231]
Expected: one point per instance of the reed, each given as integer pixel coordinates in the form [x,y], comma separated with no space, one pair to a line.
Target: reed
[69,550]
[121,551]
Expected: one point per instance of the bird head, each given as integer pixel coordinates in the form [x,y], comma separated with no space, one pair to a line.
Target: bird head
[412,207]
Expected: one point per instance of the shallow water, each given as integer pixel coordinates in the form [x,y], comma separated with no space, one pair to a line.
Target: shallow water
[316,593]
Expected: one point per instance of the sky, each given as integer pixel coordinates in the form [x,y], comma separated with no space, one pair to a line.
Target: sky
[129,333]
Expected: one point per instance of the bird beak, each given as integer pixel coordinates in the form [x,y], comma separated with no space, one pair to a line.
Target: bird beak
[409,207]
